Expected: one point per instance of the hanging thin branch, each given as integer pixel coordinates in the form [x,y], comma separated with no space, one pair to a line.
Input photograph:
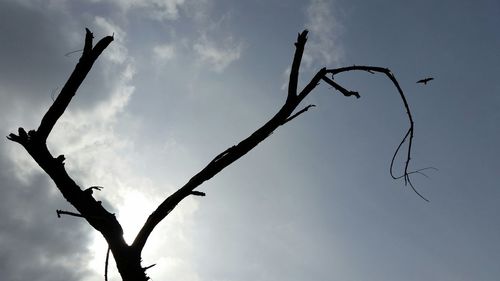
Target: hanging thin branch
[408,137]
[106,264]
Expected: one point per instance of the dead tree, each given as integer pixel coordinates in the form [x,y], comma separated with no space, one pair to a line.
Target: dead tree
[128,257]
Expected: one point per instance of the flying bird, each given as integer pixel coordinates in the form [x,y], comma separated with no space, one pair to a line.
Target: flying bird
[425,80]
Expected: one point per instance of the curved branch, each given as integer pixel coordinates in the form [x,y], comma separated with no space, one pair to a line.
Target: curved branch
[391,167]
[284,115]
[409,134]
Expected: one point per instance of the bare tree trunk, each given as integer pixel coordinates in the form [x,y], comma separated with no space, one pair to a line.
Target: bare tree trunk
[128,257]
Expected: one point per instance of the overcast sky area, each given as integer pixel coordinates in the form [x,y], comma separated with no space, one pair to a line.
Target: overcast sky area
[185,79]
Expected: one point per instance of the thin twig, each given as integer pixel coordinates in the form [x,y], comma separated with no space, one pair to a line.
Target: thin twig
[339,88]
[61,212]
[96,187]
[198,193]
[391,167]
[106,263]
[408,137]
[415,190]
[419,171]
[72,52]
[298,113]
[149,266]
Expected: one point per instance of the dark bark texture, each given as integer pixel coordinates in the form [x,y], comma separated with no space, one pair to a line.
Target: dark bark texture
[128,257]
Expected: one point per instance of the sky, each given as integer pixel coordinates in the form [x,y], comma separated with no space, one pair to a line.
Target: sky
[185,79]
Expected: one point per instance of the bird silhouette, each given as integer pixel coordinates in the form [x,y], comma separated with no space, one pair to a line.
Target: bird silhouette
[425,80]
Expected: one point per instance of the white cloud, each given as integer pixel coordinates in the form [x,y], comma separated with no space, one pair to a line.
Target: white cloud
[158,9]
[166,9]
[110,28]
[323,46]
[218,57]
[180,268]
[46,5]
[164,51]
[198,10]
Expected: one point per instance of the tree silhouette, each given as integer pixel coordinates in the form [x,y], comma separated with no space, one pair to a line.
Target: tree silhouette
[128,257]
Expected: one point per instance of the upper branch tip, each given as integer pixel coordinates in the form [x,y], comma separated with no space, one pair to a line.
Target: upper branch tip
[89,32]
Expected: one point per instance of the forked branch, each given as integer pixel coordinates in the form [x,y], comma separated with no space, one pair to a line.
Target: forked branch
[283,116]
[128,257]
